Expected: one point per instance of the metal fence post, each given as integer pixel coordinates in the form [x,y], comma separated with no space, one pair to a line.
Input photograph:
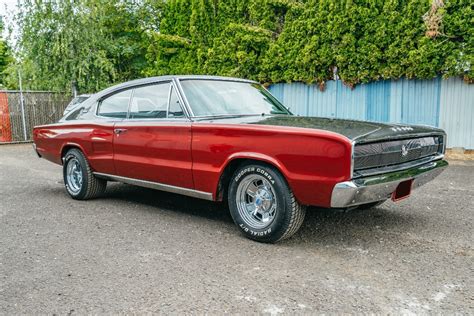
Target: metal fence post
[23,120]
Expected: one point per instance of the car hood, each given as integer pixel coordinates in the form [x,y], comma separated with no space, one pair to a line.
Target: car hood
[359,131]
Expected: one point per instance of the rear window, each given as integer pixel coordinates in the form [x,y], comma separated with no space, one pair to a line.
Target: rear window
[74,115]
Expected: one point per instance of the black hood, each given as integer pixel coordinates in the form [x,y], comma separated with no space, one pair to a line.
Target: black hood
[359,131]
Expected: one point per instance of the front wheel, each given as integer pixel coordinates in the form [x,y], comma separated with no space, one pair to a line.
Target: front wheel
[263,205]
[80,182]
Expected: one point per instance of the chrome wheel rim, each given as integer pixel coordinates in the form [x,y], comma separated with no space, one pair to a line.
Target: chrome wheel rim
[74,175]
[256,201]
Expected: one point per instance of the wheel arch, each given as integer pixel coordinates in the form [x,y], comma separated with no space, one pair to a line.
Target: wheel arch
[68,146]
[237,160]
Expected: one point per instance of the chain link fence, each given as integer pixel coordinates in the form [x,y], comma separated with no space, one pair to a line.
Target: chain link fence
[18,118]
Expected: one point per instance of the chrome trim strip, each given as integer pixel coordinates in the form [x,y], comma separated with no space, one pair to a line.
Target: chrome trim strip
[130,85]
[130,103]
[381,187]
[224,116]
[182,102]
[169,101]
[213,78]
[158,186]
[182,97]
[156,120]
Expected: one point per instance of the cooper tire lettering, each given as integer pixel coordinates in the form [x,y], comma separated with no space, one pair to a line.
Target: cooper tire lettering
[241,173]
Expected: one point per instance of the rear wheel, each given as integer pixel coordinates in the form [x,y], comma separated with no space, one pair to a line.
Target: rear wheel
[80,182]
[263,205]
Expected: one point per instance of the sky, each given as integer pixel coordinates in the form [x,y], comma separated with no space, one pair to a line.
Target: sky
[10,6]
[10,3]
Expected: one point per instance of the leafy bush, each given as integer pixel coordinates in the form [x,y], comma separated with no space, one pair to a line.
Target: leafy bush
[97,42]
[313,41]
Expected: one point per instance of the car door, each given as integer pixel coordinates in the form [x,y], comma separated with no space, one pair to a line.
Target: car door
[154,142]
[100,130]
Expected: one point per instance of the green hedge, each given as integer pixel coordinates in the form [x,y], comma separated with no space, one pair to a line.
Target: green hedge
[95,43]
[312,41]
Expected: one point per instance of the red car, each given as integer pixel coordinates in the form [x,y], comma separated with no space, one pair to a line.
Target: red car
[229,139]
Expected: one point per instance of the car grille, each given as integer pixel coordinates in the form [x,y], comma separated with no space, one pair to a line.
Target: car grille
[395,152]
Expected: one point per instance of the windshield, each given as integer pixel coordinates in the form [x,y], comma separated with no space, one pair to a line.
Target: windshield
[220,97]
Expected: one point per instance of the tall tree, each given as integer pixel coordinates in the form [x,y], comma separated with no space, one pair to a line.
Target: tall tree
[62,43]
[89,43]
[5,55]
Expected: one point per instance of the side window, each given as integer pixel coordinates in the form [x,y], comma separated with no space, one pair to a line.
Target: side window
[174,109]
[116,105]
[150,101]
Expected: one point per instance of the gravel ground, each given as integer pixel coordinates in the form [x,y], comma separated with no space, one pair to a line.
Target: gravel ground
[137,250]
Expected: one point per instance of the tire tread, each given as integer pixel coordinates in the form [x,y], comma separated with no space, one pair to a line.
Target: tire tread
[298,213]
[95,186]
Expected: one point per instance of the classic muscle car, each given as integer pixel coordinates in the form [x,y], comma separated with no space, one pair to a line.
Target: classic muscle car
[228,139]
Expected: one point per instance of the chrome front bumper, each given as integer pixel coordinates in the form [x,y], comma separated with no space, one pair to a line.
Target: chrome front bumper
[380,187]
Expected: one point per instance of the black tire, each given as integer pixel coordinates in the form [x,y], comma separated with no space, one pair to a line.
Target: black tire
[288,213]
[370,205]
[91,186]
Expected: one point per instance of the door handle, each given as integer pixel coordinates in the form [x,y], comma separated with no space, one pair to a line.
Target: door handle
[119,131]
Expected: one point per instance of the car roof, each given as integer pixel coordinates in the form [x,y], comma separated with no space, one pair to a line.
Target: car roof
[150,80]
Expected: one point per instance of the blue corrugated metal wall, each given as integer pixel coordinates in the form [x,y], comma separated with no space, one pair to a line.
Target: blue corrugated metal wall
[448,104]
[456,112]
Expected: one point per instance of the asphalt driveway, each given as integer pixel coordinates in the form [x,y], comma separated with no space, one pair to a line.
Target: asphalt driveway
[137,250]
